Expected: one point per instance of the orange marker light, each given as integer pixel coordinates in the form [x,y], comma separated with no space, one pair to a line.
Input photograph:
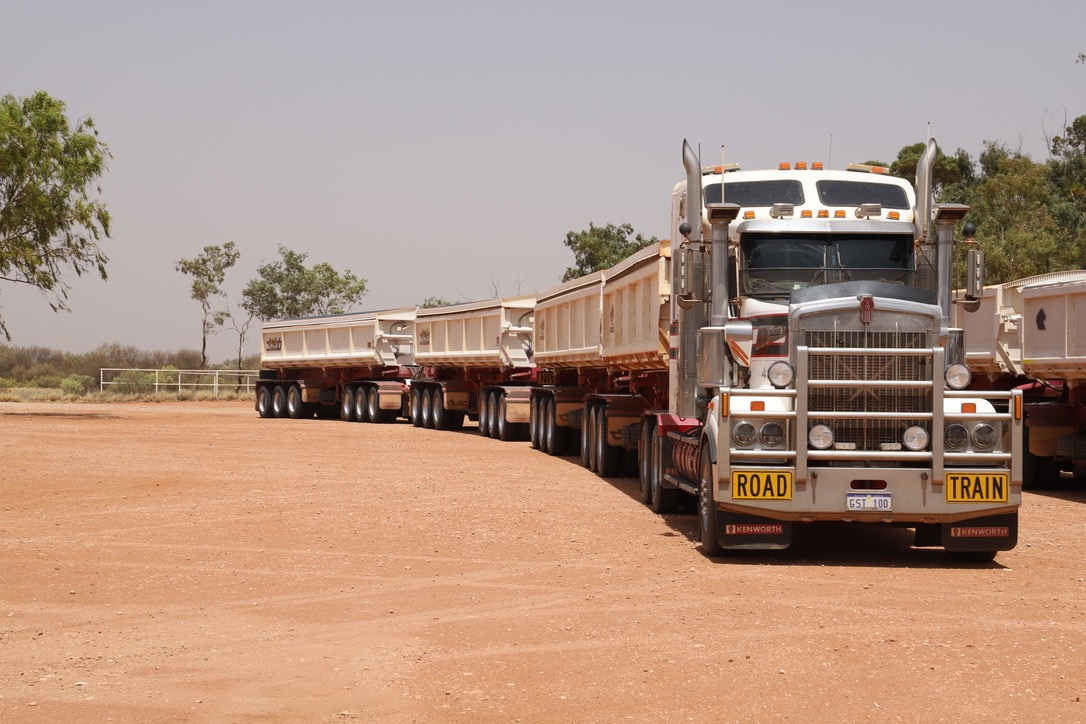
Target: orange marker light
[805,214]
[801,165]
[784,166]
[893,215]
[757,406]
[823,213]
[817,166]
[839,214]
[969,407]
[748,214]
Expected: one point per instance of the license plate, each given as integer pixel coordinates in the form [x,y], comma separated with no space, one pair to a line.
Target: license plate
[878,502]
[975,487]
[761,484]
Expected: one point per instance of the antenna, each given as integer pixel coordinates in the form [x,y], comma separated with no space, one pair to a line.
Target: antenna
[829,156]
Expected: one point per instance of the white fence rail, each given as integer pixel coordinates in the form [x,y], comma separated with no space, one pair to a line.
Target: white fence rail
[121,379]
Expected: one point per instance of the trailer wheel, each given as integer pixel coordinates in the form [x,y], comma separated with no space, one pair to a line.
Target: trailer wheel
[427,409]
[361,405]
[438,411]
[664,500]
[263,402]
[296,409]
[644,460]
[483,416]
[279,401]
[708,514]
[416,406]
[507,431]
[608,457]
[373,405]
[593,438]
[346,405]
[586,436]
[533,423]
[455,419]
[557,437]
[492,415]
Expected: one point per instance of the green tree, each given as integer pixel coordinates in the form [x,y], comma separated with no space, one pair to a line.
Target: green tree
[208,270]
[949,171]
[288,288]
[430,302]
[601,247]
[50,217]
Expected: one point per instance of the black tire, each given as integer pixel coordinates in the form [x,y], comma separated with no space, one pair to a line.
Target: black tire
[279,401]
[296,409]
[427,409]
[346,405]
[533,423]
[593,438]
[361,405]
[708,513]
[664,500]
[263,403]
[586,433]
[609,458]
[415,405]
[484,413]
[557,436]
[506,431]
[437,410]
[644,460]
[455,419]
[373,405]
[492,415]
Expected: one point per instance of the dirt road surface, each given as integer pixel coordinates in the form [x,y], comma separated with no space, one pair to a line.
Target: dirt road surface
[191,562]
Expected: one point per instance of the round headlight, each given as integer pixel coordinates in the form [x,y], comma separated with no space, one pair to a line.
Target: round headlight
[915,438]
[955,436]
[984,436]
[744,434]
[820,437]
[958,376]
[780,374]
[772,434]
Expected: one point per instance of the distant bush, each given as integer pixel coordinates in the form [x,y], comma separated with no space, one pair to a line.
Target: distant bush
[78,385]
[133,382]
[6,383]
[46,382]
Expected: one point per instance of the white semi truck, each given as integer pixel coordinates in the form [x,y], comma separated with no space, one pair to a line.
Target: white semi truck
[788,358]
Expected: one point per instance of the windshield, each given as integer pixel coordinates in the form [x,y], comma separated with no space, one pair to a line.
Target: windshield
[757,193]
[854,193]
[775,264]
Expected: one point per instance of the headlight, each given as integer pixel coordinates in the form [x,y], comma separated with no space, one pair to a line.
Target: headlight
[956,436]
[958,376]
[780,374]
[744,434]
[915,438]
[820,437]
[772,434]
[984,436]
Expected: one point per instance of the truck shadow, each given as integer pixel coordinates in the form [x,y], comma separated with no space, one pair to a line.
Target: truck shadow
[843,545]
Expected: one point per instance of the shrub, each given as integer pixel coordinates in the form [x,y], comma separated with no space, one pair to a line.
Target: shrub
[46,382]
[77,385]
[133,382]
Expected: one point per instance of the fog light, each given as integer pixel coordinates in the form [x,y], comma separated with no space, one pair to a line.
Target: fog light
[744,434]
[915,438]
[955,436]
[820,437]
[772,434]
[984,436]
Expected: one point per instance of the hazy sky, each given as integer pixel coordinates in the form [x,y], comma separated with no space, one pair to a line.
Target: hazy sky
[444,148]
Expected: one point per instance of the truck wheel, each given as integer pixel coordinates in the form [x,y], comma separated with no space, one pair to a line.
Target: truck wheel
[263,402]
[608,457]
[296,409]
[507,431]
[279,401]
[492,416]
[557,436]
[644,461]
[533,423]
[416,406]
[586,441]
[708,514]
[427,409]
[593,438]
[373,405]
[361,405]
[664,500]
[346,405]
[484,416]
[438,411]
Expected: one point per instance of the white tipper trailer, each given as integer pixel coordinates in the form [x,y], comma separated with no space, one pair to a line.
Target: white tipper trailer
[1030,334]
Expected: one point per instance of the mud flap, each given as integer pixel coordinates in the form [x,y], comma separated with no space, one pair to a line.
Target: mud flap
[993,533]
[752,532]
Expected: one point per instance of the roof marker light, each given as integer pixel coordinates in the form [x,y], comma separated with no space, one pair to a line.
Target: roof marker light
[784,166]
[839,213]
[801,165]
[805,214]
[823,213]
[816,166]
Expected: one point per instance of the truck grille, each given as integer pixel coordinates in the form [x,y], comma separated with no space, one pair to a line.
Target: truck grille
[904,402]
